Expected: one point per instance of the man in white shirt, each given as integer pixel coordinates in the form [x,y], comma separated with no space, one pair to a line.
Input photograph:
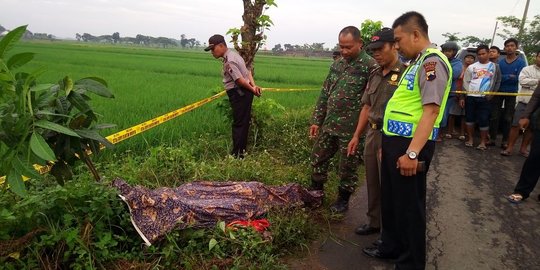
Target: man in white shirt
[479,77]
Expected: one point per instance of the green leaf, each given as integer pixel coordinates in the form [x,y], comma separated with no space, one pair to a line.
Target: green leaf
[213,242]
[6,77]
[9,40]
[25,168]
[93,135]
[40,147]
[94,85]
[221,225]
[78,101]
[20,59]
[41,87]
[68,84]
[55,127]
[16,183]
[98,79]
[104,126]
[51,114]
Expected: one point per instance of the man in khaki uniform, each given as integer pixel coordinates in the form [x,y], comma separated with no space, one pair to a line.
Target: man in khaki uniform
[382,83]
[240,86]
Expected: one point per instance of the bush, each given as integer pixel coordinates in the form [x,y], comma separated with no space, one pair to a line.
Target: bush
[84,225]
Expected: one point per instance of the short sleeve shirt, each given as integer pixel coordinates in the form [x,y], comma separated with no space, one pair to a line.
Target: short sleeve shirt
[433,79]
[234,68]
[380,89]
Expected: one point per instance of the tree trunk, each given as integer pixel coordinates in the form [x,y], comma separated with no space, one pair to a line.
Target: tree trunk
[251,40]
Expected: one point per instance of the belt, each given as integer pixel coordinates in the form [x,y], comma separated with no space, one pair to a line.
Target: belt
[375,126]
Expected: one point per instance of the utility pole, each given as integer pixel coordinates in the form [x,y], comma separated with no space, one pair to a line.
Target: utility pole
[523,20]
[494,31]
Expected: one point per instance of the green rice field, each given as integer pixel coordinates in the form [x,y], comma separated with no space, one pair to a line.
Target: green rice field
[148,82]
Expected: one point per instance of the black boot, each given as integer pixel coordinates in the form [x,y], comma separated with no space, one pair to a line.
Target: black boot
[342,203]
[316,186]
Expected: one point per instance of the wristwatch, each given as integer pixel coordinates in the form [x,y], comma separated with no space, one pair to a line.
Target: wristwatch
[411,154]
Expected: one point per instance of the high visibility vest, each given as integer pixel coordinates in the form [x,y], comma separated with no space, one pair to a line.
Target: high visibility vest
[404,109]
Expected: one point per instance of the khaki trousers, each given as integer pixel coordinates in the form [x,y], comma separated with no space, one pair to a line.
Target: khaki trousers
[372,161]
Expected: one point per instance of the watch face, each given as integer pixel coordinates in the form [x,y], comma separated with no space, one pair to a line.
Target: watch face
[412,155]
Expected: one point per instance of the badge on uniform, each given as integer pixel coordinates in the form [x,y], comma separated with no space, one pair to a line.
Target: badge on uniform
[429,68]
[393,79]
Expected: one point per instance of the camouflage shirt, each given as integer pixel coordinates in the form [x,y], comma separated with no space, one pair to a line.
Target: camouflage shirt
[339,104]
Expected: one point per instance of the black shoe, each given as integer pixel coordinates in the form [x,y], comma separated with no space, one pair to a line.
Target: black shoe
[374,252]
[342,203]
[366,230]
[377,242]
[340,206]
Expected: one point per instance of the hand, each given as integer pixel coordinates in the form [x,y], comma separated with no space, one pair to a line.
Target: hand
[353,144]
[524,123]
[313,131]
[257,91]
[462,103]
[407,166]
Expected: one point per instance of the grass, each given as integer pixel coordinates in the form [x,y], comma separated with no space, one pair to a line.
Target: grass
[150,82]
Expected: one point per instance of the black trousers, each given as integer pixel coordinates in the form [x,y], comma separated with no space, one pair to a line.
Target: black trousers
[403,205]
[241,101]
[531,169]
[501,116]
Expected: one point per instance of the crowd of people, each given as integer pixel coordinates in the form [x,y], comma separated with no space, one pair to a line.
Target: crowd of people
[390,108]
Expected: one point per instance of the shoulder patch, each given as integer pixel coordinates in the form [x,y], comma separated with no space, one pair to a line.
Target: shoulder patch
[429,69]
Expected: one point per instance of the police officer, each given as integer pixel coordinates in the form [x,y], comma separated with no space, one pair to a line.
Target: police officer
[381,85]
[241,88]
[410,126]
[336,113]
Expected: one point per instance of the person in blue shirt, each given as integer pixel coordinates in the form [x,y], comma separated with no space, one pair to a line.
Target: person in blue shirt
[450,49]
[510,67]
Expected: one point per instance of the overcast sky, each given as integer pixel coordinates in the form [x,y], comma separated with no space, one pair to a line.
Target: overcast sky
[295,21]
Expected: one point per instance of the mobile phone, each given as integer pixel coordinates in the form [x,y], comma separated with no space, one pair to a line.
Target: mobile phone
[421,166]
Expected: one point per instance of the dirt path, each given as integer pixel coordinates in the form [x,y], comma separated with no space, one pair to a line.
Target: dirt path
[470,224]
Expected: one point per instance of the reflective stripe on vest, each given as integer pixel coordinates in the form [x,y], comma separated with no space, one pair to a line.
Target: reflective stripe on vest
[404,109]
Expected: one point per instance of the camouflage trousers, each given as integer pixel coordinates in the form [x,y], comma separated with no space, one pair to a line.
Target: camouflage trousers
[324,149]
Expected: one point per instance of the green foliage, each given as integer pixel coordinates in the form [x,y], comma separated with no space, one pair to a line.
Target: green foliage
[368,28]
[263,112]
[474,41]
[529,37]
[44,122]
[451,36]
[82,225]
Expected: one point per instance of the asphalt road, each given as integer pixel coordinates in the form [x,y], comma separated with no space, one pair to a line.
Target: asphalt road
[470,223]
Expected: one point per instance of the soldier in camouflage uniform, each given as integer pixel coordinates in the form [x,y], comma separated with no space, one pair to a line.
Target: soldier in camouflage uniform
[335,116]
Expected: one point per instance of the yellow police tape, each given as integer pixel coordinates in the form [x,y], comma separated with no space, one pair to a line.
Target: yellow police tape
[140,128]
[492,93]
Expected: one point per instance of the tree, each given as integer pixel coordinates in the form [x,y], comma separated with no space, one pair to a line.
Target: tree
[475,41]
[87,37]
[368,28]
[530,37]
[451,36]
[116,37]
[78,37]
[252,32]
[277,48]
[288,47]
